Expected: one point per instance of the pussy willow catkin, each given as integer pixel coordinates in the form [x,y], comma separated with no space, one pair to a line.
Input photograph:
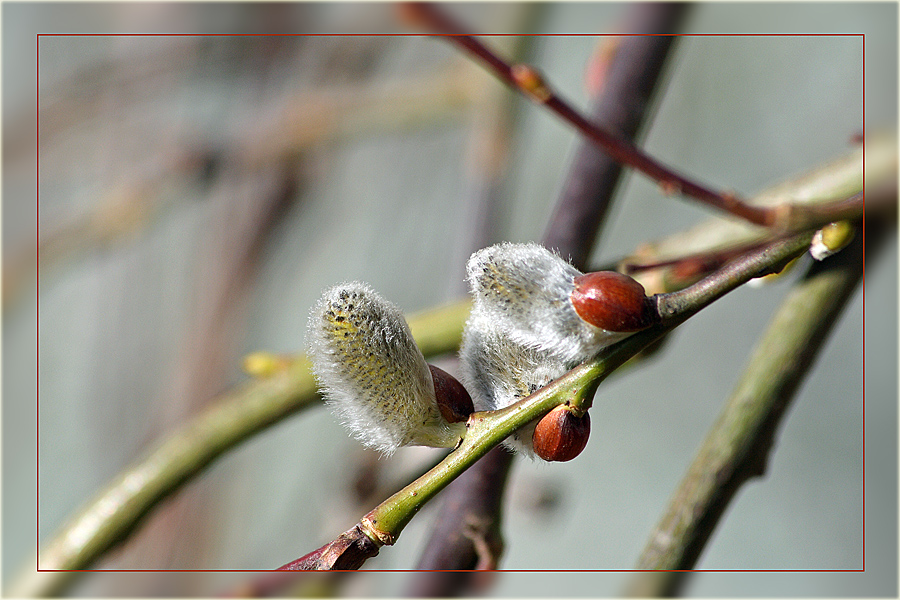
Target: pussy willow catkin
[534,317]
[524,330]
[526,290]
[372,373]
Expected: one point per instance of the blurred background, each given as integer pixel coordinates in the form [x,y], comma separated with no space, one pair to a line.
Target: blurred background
[197,193]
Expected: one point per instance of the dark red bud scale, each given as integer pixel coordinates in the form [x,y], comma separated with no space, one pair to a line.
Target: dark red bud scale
[560,435]
[612,301]
[452,398]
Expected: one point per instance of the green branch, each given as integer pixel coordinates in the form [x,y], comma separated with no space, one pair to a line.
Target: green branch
[737,445]
[239,414]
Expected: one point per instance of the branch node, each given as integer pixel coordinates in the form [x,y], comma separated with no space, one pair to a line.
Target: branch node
[784,216]
[382,538]
[670,188]
[731,199]
[529,80]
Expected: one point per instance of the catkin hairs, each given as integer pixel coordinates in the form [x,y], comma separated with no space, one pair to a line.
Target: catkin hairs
[372,373]
[526,290]
[535,317]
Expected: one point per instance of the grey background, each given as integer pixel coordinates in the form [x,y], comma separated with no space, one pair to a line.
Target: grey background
[738,112]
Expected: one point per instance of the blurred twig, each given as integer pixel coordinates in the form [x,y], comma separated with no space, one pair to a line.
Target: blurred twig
[834,181]
[622,106]
[737,447]
[78,97]
[472,503]
[329,115]
[489,149]
[300,122]
[245,210]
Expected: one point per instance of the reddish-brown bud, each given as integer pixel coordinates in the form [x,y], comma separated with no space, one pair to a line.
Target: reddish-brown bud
[452,398]
[612,301]
[560,435]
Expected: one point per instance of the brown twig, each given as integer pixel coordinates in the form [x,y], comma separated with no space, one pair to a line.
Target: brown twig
[347,553]
[672,274]
[530,82]
[621,106]
[304,121]
[476,496]
[678,273]
[249,213]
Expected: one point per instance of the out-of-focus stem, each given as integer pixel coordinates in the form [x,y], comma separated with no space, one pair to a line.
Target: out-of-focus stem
[831,182]
[678,260]
[737,446]
[622,106]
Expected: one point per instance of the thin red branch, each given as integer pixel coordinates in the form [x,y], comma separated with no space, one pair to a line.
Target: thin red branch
[528,80]
[621,104]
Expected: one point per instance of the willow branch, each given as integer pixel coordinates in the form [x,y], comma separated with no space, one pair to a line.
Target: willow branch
[737,446]
[529,81]
[677,260]
[485,430]
[830,182]
[678,273]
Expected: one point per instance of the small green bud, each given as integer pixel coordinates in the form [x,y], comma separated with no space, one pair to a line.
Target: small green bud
[831,239]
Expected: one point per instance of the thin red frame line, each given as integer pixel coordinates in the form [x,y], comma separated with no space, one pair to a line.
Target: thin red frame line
[864,307]
[37,282]
[461,571]
[413,34]
[37,289]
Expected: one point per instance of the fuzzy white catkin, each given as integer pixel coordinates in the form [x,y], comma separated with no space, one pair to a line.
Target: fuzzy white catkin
[497,371]
[526,290]
[372,373]
[523,331]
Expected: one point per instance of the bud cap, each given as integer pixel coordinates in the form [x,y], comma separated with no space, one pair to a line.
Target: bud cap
[561,436]
[612,301]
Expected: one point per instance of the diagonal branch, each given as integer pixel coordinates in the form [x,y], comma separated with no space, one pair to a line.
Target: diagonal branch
[529,81]
[737,446]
